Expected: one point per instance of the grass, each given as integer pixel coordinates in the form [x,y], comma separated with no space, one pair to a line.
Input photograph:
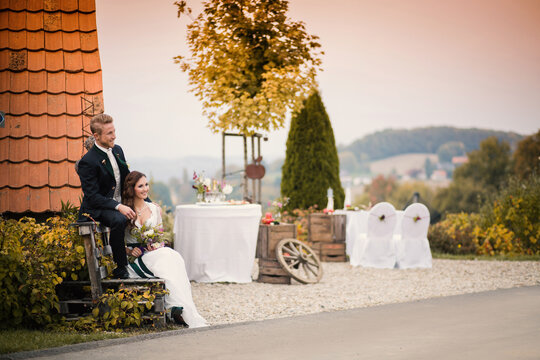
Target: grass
[487,257]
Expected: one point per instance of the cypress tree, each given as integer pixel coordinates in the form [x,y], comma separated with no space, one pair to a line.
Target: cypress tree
[311,161]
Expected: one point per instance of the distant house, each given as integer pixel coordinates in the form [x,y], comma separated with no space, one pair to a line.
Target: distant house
[50,74]
[459,160]
[439,175]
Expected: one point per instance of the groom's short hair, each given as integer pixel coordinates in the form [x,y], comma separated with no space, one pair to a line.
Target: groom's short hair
[98,121]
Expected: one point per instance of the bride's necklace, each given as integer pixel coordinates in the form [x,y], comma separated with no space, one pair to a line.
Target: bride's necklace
[139,212]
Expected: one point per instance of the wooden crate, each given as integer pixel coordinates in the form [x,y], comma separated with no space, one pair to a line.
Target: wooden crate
[271,272]
[330,252]
[326,228]
[270,235]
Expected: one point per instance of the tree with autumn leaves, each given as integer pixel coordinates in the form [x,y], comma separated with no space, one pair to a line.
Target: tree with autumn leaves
[250,65]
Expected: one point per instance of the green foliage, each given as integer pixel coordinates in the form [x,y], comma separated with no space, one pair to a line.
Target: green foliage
[250,64]
[311,161]
[160,192]
[117,310]
[380,188]
[34,258]
[455,234]
[473,182]
[527,156]
[392,142]
[514,213]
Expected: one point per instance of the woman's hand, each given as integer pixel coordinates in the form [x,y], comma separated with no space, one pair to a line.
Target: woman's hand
[134,252]
[149,248]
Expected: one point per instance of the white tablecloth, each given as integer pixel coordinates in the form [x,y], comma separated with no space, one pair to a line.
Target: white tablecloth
[217,242]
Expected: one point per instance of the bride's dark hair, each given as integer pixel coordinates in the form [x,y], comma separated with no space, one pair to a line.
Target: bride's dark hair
[128,194]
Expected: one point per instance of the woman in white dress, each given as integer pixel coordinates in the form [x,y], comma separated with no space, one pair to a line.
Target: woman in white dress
[163,262]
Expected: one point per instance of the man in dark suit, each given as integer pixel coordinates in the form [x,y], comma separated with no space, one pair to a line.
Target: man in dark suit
[102,171]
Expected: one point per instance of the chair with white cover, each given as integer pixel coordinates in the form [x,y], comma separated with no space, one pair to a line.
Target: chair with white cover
[413,246]
[377,248]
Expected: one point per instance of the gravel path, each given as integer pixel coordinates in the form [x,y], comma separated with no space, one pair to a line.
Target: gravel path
[346,287]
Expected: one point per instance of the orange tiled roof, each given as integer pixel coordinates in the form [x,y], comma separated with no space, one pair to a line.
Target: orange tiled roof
[49,60]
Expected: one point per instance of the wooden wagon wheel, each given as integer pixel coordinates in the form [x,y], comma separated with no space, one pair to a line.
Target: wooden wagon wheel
[299,260]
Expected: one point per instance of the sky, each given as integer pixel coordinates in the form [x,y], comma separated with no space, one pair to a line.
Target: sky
[387,64]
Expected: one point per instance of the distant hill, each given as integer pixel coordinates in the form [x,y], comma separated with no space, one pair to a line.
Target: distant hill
[390,142]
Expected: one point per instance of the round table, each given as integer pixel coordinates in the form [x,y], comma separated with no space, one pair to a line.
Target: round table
[218,242]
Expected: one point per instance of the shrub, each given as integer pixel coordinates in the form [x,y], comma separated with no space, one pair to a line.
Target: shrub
[34,258]
[455,234]
[299,217]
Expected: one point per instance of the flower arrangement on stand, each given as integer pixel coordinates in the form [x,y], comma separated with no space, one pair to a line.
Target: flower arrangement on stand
[210,190]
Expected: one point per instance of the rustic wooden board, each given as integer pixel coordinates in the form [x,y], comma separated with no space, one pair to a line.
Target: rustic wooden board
[271,267]
[326,228]
[272,279]
[334,258]
[270,236]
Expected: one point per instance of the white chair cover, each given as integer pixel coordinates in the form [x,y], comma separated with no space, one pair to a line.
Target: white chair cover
[377,249]
[413,245]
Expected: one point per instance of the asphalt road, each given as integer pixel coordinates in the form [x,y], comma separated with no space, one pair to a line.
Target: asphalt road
[501,324]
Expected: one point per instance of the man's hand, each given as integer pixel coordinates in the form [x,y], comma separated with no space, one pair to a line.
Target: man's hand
[127,212]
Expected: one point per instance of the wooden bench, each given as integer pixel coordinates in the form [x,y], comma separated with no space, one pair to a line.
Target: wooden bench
[75,301]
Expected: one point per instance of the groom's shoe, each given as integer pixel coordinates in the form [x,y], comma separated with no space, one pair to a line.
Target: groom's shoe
[176,314]
[121,272]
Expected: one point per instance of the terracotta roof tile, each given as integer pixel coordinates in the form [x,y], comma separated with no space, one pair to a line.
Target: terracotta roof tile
[19,199]
[70,21]
[37,125]
[4,174]
[18,174]
[52,21]
[75,149]
[73,104]
[73,61]
[4,59]
[75,82]
[93,82]
[56,82]
[53,41]
[16,5]
[18,149]
[54,61]
[64,194]
[4,199]
[17,40]
[4,35]
[39,199]
[87,5]
[58,174]
[18,103]
[35,40]
[34,5]
[56,125]
[34,21]
[4,100]
[57,149]
[56,105]
[4,19]
[73,178]
[16,126]
[5,80]
[74,126]
[69,5]
[36,60]
[4,149]
[89,41]
[37,104]
[37,81]
[87,22]
[91,61]
[51,5]
[38,174]
[38,149]
[71,41]
[17,60]
[19,81]
[16,20]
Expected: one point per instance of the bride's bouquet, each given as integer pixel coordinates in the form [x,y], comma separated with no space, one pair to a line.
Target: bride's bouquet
[149,236]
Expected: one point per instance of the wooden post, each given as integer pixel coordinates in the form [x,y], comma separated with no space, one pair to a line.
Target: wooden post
[223,156]
[86,230]
[245,166]
[259,180]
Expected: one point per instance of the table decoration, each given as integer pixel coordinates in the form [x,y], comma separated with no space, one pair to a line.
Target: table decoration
[210,190]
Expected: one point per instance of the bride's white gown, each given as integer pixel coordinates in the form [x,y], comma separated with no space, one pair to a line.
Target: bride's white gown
[167,264]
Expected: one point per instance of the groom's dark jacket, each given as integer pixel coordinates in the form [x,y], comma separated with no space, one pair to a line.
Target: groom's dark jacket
[97,180]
